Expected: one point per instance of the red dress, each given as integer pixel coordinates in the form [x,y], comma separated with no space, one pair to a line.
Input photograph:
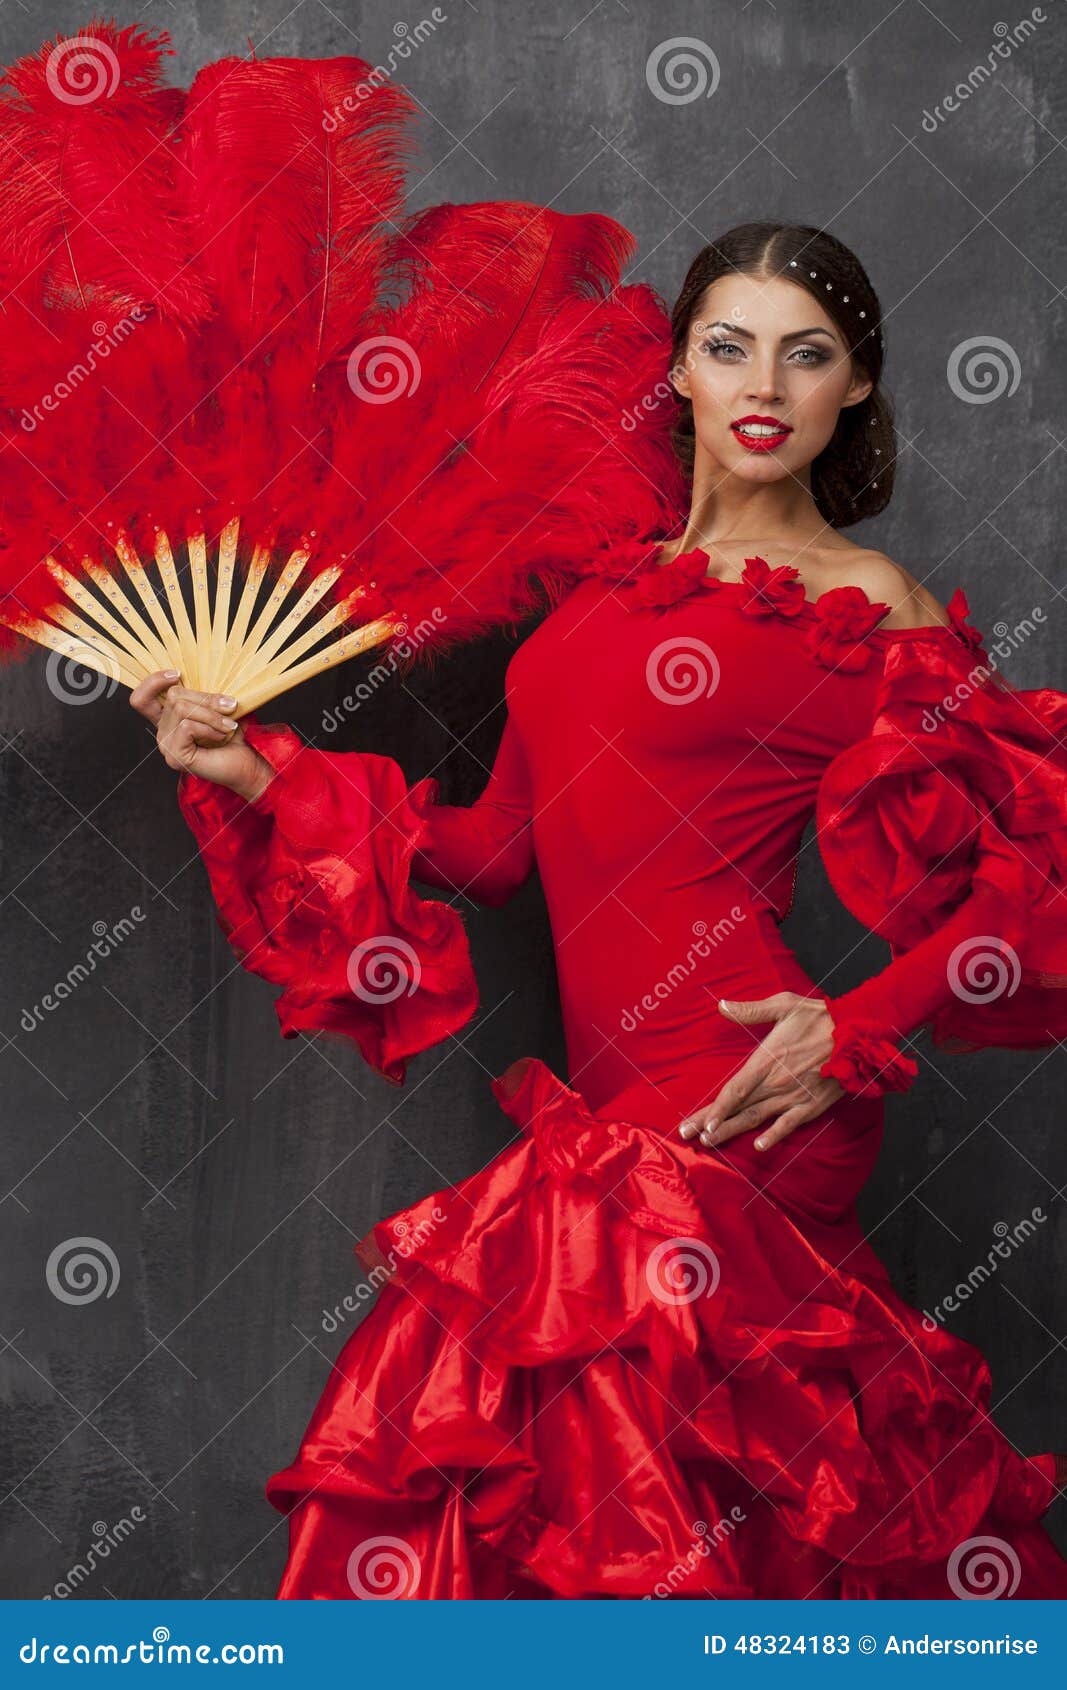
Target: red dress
[612,1363]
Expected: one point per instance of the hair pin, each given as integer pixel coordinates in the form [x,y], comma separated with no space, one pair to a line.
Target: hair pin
[793,265]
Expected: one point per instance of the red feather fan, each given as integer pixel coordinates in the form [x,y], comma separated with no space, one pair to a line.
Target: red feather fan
[254,417]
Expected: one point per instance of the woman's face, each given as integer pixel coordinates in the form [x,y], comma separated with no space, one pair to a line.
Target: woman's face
[765,349]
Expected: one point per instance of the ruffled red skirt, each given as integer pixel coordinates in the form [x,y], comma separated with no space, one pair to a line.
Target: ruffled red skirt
[607,1365]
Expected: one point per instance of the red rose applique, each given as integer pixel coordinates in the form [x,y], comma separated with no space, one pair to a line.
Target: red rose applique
[666,583]
[771,592]
[866,1062]
[622,562]
[958,611]
[844,616]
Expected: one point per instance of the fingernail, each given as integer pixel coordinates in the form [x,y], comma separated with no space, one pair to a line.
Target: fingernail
[761,1144]
[172,674]
[227,703]
[228,724]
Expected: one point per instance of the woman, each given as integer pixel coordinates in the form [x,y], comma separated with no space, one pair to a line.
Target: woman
[647,1350]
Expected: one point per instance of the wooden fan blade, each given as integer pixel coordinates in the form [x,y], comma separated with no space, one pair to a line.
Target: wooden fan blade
[257,569]
[257,657]
[168,574]
[91,606]
[221,617]
[137,573]
[259,689]
[70,645]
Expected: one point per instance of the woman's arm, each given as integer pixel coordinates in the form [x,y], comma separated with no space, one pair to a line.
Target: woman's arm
[944,831]
[486,850]
[311,855]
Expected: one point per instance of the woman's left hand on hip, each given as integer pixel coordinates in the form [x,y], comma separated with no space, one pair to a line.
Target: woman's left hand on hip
[780,1083]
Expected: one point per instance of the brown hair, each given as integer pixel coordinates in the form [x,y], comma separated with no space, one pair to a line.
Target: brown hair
[852,477]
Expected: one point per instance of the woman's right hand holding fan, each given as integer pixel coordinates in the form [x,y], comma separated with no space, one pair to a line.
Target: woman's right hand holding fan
[196,734]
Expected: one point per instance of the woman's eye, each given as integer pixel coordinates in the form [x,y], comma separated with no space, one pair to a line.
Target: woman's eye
[808,356]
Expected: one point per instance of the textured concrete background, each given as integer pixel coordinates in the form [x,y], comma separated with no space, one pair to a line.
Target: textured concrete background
[159,1111]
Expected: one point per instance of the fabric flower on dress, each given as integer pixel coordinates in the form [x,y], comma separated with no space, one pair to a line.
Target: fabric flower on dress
[771,592]
[664,584]
[624,561]
[958,612]
[866,1062]
[844,618]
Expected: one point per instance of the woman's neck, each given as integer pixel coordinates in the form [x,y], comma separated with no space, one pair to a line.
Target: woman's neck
[727,512]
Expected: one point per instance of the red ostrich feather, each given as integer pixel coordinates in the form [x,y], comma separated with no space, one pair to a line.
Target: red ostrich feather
[255,417]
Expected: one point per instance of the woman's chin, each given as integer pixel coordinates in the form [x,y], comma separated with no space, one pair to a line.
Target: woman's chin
[759,468]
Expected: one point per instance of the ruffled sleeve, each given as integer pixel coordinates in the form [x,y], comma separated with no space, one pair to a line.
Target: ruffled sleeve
[312,886]
[944,830]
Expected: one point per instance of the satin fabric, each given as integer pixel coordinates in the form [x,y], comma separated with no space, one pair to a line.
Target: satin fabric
[612,1363]
[617,1366]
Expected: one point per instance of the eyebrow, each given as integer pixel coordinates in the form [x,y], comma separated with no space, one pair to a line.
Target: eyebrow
[798,334]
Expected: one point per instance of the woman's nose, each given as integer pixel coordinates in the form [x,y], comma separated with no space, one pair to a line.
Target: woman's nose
[764,384]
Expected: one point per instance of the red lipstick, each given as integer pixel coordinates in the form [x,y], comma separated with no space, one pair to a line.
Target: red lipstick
[760,434]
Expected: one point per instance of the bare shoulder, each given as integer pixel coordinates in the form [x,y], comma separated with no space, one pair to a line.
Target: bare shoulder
[911,605]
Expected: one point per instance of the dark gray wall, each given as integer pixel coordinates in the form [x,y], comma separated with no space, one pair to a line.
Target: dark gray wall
[159,1111]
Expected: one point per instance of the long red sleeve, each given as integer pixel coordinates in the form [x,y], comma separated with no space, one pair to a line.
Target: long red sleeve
[945,831]
[485,850]
[313,886]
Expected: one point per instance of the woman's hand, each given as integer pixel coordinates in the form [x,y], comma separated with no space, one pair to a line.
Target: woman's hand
[195,734]
[781,1078]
